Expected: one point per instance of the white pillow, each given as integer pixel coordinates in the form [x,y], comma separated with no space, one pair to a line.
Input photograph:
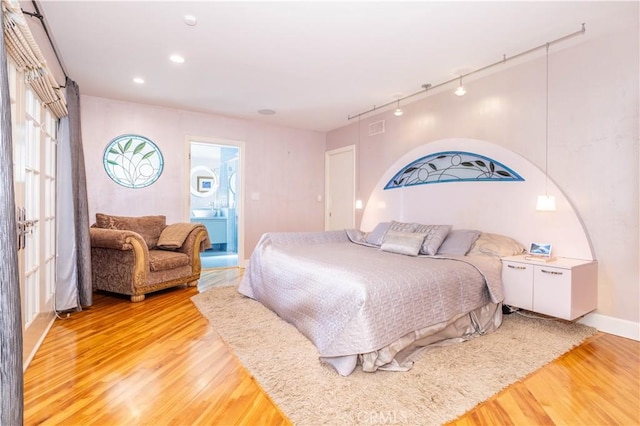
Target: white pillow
[407,243]
[495,245]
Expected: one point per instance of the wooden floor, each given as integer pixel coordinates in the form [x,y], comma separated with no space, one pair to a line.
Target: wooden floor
[596,383]
[158,362]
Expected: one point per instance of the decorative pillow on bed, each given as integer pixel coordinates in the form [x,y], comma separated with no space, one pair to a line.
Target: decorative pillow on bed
[495,245]
[376,236]
[458,242]
[408,243]
[356,236]
[402,226]
[435,235]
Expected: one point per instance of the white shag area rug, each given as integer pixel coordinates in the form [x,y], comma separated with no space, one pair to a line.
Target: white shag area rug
[442,385]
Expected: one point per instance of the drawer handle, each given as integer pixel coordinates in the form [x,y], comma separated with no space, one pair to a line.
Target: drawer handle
[516,267]
[551,272]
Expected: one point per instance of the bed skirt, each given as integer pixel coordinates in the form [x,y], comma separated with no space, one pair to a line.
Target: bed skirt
[401,354]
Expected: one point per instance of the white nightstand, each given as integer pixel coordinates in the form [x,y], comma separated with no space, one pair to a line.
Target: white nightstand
[562,288]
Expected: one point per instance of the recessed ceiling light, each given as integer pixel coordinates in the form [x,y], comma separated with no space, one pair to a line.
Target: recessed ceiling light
[138,80]
[177,59]
[266,111]
[190,20]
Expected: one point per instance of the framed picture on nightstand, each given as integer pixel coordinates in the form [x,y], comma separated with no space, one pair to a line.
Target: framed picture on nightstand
[540,252]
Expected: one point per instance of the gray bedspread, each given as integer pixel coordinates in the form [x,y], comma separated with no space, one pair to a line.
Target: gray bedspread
[351,300]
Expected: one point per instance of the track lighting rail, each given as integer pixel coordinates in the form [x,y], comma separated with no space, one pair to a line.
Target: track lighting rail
[427,87]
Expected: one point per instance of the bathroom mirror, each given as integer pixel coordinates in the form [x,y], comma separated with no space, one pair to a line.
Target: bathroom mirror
[233,182]
[204,182]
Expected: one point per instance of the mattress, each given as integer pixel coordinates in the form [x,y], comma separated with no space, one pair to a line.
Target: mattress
[358,304]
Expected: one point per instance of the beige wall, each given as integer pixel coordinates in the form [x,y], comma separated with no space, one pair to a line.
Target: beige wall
[284,166]
[593,142]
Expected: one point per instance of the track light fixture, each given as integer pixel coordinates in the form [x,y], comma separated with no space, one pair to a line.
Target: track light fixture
[398,112]
[460,91]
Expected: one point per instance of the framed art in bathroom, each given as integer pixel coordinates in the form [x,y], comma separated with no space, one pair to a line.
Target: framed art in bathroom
[205,183]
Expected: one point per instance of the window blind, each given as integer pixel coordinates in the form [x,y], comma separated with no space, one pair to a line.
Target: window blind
[22,48]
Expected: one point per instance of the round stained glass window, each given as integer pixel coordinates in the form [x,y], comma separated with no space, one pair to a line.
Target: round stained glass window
[133,161]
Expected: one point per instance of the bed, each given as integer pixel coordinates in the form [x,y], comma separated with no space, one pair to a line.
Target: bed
[379,299]
[367,300]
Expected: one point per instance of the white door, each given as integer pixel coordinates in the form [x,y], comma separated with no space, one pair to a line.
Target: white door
[340,182]
[34,162]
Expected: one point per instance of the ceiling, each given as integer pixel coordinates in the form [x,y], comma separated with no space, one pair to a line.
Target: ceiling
[313,63]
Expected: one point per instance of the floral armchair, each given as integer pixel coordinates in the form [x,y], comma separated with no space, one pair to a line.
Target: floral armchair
[140,255]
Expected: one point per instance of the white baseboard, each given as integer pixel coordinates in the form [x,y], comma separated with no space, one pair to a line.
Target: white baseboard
[612,325]
[50,317]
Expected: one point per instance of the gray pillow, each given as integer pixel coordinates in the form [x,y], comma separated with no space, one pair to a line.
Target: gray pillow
[407,243]
[435,235]
[376,236]
[458,242]
[356,236]
[402,226]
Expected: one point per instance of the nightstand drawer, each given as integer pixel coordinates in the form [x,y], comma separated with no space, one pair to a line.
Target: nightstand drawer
[552,291]
[517,281]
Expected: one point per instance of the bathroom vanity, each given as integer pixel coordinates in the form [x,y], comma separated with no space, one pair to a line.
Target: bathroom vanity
[221,226]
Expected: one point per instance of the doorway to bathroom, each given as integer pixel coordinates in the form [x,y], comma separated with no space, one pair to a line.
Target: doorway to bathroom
[214,198]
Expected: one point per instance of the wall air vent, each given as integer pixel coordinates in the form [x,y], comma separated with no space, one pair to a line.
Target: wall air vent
[376,128]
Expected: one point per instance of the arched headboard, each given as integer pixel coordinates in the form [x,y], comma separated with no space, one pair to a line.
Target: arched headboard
[502,206]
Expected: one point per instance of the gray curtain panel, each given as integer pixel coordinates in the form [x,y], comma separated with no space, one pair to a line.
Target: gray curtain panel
[80,202]
[67,294]
[11,381]
[73,267]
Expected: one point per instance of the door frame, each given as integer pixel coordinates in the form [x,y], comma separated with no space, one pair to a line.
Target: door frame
[328,180]
[186,211]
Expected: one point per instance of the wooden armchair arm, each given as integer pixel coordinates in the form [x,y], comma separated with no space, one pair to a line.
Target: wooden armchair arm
[197,241]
